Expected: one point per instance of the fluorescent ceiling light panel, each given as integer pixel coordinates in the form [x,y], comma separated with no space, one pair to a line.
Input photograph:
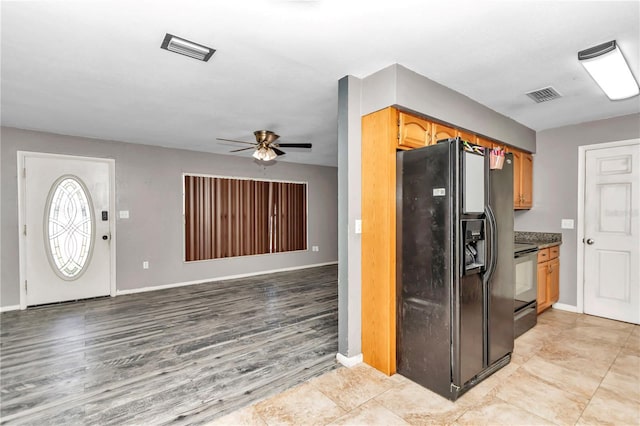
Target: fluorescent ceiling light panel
[185,47]
[609,69]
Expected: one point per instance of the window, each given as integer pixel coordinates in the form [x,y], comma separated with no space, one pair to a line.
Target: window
[227,217]
[68,227]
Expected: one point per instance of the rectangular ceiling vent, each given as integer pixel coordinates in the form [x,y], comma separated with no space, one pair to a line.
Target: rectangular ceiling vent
[186,47]
[544,95]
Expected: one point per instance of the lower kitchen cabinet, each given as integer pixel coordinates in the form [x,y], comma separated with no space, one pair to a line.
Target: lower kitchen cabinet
[548,277]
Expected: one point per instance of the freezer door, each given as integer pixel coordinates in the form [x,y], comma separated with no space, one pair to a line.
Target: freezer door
[470,351]
[424,267]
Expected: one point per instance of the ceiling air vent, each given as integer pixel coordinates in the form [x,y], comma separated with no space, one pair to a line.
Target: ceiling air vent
[185,47]
[544,95]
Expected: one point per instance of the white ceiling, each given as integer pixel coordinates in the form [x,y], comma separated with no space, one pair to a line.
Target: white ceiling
[95,68]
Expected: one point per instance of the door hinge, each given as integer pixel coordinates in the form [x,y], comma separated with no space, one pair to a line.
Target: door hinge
[25,286]
[25,230]
[24,172]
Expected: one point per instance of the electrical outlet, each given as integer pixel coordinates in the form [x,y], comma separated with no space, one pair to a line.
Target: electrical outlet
[566,224]
[145,265]
[358,226]
[315,248]
[124,214]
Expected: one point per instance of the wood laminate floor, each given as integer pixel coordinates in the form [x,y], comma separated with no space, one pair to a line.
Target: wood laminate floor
[183,356]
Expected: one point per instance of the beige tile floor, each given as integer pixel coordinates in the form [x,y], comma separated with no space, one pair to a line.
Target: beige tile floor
[569,369]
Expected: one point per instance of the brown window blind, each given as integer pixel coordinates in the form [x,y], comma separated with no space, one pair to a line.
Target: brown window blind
[237,217]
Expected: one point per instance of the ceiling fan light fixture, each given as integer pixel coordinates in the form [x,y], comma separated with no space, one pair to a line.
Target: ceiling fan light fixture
[264,154]
[185,47]
[608,68]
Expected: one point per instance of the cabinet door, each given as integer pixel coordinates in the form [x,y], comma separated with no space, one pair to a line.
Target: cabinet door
[413,132]
[441,131]
[484,142]
[553,281]
[466,136]
[517,166]
[526,181]
[542,286]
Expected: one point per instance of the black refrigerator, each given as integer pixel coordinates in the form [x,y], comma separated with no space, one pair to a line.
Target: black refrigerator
[455,271]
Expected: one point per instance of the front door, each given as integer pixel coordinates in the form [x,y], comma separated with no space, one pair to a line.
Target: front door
[66,228]
[611,231]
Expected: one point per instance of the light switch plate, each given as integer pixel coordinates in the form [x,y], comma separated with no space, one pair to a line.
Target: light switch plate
[124,214]
[358,226]
[566,224]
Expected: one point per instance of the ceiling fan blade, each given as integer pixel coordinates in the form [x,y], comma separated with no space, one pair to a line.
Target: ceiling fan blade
[277,151]
[295,145]
[241,149]
[233,140]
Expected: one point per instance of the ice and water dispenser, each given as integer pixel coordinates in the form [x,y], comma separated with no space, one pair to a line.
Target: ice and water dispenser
[474,245]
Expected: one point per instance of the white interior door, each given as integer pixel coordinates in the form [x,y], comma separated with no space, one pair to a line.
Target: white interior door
[611,238]
[67,215]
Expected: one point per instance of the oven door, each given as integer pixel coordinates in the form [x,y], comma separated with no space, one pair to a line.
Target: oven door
[526,279]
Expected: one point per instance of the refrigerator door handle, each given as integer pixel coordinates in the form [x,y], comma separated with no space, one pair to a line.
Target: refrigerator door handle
[492,227]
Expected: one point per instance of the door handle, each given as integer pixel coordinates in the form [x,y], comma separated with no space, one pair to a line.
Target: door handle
[588,241]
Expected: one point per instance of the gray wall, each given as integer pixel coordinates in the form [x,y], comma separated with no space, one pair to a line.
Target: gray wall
[555,186]
[397,85]
[149,185]
[349,210]
[394,85]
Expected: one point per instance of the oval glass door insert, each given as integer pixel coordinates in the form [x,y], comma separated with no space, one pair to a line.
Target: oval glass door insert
[69,227]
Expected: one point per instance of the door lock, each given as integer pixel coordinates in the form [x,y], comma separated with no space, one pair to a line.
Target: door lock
[105,237]
[588,241]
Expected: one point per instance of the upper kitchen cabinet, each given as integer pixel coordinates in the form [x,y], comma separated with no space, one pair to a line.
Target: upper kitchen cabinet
[442,131]
[526,181]
[466,136]
[485,142]
[522,179]
[413,132]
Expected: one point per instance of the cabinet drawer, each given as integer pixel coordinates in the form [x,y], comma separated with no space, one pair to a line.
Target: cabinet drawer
[554,252]
[543,255]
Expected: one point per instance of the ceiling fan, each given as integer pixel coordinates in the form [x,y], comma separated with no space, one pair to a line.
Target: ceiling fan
[266,147]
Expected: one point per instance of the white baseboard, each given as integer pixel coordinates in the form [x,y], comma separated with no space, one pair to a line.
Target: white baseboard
[9,308]
[349,361]
[563,307]
[208,280]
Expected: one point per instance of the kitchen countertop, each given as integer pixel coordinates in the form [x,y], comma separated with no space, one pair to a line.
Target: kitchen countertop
[541,239]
